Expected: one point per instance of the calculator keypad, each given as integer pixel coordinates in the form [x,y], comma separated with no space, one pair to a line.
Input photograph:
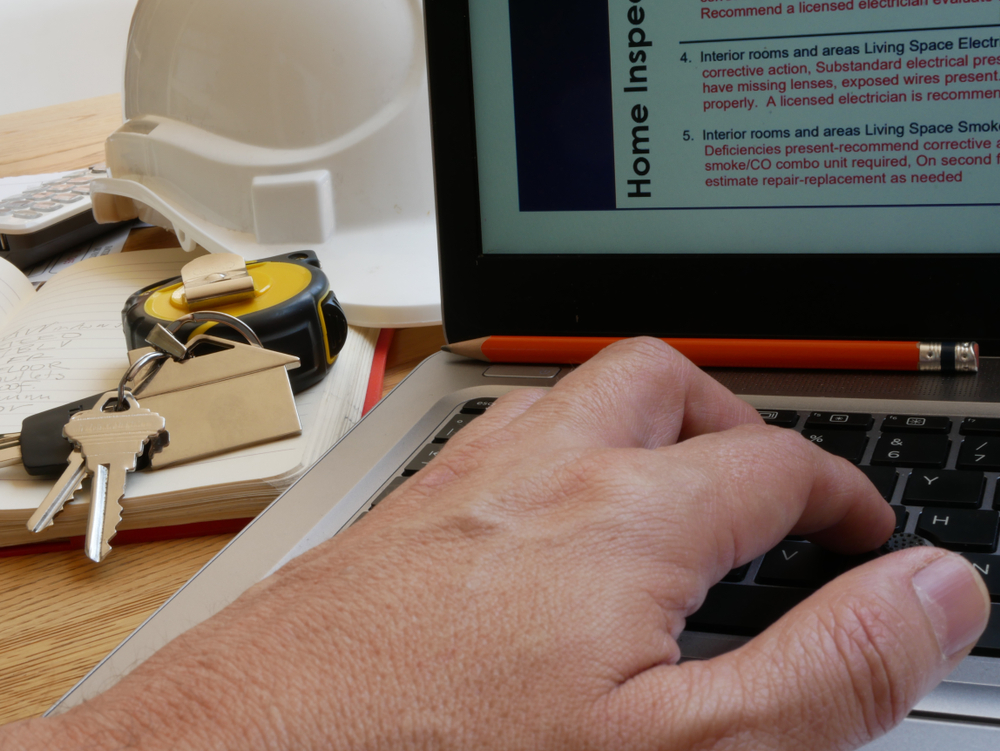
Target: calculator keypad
[38,206]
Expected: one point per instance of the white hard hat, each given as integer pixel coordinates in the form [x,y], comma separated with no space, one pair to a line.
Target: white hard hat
[261,127]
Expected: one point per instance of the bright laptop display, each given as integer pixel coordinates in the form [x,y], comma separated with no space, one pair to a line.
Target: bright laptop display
[737,127]
[806,150]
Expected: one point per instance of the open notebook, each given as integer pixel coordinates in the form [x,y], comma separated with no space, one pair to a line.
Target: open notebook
[65,341]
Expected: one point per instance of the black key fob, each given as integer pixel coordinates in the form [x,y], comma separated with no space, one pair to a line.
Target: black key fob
[44,450]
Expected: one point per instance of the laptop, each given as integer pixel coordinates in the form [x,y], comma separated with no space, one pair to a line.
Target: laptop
[622,167]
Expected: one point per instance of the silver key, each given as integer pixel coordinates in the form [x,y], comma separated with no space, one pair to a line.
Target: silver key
[111,443]
[68,483]
[10,449]
[107,446]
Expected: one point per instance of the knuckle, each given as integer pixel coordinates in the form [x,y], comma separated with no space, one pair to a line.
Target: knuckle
[649,351]
[607,474]
[773,434]
[516,400]
[781,443]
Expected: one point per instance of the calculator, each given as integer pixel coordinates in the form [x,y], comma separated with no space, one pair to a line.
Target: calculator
[48,218]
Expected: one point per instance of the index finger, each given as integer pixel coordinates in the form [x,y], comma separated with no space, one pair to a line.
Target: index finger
[638,393]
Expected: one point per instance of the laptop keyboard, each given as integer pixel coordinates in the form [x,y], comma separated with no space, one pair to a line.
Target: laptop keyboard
[939,474]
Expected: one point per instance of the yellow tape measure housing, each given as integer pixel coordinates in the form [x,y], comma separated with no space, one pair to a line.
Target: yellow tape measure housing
[292,310]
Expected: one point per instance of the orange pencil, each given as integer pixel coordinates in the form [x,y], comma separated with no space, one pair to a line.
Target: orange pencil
[947,357]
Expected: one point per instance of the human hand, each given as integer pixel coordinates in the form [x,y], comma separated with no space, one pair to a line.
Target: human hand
[527,588]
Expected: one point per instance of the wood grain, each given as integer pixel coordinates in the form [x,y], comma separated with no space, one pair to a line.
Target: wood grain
[60,613]
[53,139]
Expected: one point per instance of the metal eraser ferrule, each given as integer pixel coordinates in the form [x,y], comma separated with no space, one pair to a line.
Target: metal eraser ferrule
[949,357]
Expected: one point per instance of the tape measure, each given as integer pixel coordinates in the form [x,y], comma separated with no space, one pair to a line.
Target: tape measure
[290,307]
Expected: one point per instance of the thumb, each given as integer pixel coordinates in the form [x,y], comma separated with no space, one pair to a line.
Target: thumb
[842,668]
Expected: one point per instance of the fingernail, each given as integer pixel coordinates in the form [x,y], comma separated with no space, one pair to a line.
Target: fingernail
[954,602]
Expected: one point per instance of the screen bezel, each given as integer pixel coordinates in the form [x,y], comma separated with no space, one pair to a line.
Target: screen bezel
[927,296]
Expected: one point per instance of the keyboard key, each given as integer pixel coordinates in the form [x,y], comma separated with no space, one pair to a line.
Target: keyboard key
[455,424]
[477,406]
[915,424]
[388,490]
[783,418]
[744,609]
[979,453]
[839,420]
[883,478]
[738,574]
[802,564]
[422,459]
[26,214]
[849,444]
[912,450]
[947,488]
[980,426]
[989,568]
[960,529]
[901,516]
[989,642]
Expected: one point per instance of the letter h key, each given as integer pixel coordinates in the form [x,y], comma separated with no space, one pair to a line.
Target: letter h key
[107,445]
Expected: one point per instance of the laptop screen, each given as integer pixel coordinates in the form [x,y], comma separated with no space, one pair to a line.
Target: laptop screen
[737,126]
[718,167]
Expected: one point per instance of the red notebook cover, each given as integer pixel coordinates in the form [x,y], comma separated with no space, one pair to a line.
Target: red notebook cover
[376,379]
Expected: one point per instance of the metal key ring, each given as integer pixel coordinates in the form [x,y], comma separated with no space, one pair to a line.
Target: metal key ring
[214,316]
[137,366]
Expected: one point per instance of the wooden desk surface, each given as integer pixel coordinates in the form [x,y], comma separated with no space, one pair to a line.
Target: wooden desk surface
[60,613]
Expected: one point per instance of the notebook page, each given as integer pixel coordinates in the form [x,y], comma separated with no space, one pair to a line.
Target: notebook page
[66,341]
[15,291]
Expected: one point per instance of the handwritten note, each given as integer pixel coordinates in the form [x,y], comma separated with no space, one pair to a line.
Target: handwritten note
[65,341]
